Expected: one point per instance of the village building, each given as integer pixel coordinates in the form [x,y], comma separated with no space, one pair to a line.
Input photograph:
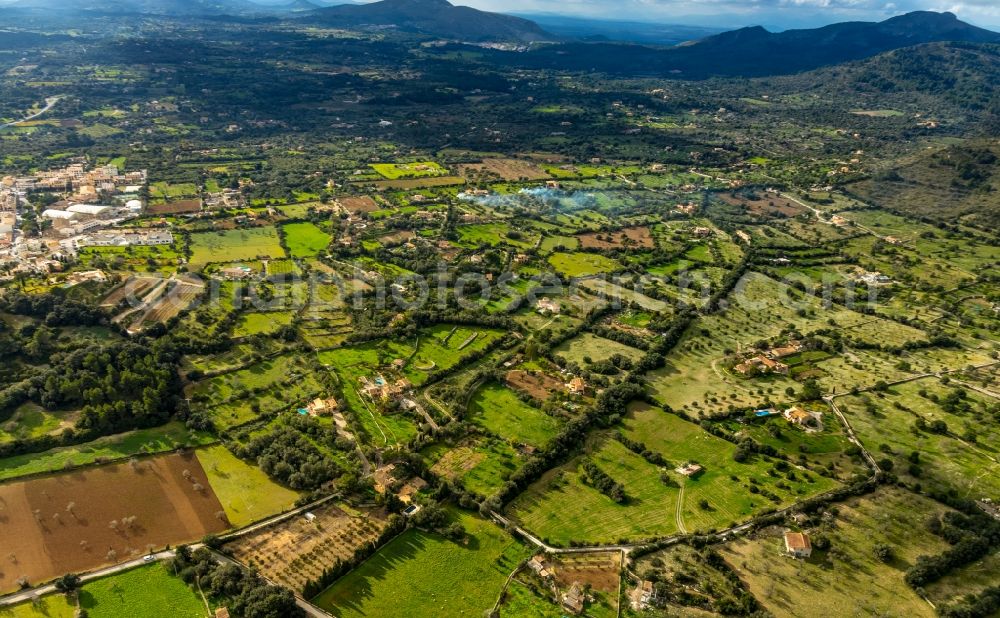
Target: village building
[790,348]
[384,478]
[322,407]
[641,596]
[577,386]
[236,273]
[411,489]
[760,364]
[798,416]
[690,469]
[537,564]
[547,305]
[797,545]
[573,599]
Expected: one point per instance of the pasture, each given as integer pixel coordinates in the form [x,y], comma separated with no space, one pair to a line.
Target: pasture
[590,346]
[423,574]
[167,437]
[246,493]
[480,464]
[263,388]
[144,592]
[305,239]
[583,264]
[420,169]
[234,245]
[498,409]
[962,454]
[786,587]
[256,323]
[562,508]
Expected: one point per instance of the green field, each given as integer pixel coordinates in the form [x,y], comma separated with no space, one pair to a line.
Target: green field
[51,606]
[246,493]
[262,323]
[891,516]
[31,421]
[595,348]
[422,574]
[420,169]
[305,239]
[271,385]
[482,466]
[583,264]
[164,191]
[149,591]
[169,437]
[887,425]
[492,234]
[439,347]
[562,508]
[499,410]
[235,245]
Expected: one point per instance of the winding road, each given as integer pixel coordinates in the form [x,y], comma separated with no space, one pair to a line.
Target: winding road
[49,104]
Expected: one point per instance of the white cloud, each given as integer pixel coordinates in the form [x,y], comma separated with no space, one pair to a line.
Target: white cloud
[737,12]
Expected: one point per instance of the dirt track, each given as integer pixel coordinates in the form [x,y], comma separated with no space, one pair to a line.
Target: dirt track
[44,537]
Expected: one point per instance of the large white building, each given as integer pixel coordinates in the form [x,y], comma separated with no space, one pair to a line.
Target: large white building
[90,210]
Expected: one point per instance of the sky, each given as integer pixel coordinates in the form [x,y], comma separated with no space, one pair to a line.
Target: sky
[734,13]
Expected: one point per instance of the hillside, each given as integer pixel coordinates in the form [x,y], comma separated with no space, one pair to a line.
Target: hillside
[950,183]
[432,17]
[955,77]
[751,52]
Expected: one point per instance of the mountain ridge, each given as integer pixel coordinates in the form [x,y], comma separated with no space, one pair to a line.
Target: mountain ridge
[432,17]
[754,51]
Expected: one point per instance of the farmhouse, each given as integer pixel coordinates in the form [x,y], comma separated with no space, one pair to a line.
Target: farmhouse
[797,416]
[892,240]
[642,594]
[384,478]
[547,305]
[690,469]
[410,489]
[761,364]
[573,599]
[537,564]
[797,545]
[792,347]
[702,232]
[322,407]
[379,388]
[236,273]
[576,386]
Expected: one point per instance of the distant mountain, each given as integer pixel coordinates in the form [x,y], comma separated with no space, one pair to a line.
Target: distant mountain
[295,6]
[754,51]
[437,18]
[623,31]
[149,7]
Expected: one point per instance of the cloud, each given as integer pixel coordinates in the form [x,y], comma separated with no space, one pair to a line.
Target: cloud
[729,13]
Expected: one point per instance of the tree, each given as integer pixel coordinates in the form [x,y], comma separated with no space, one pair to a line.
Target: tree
[68,583]
[883,553]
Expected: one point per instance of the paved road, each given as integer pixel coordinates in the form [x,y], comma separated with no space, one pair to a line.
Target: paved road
[49,104]
[27,595]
